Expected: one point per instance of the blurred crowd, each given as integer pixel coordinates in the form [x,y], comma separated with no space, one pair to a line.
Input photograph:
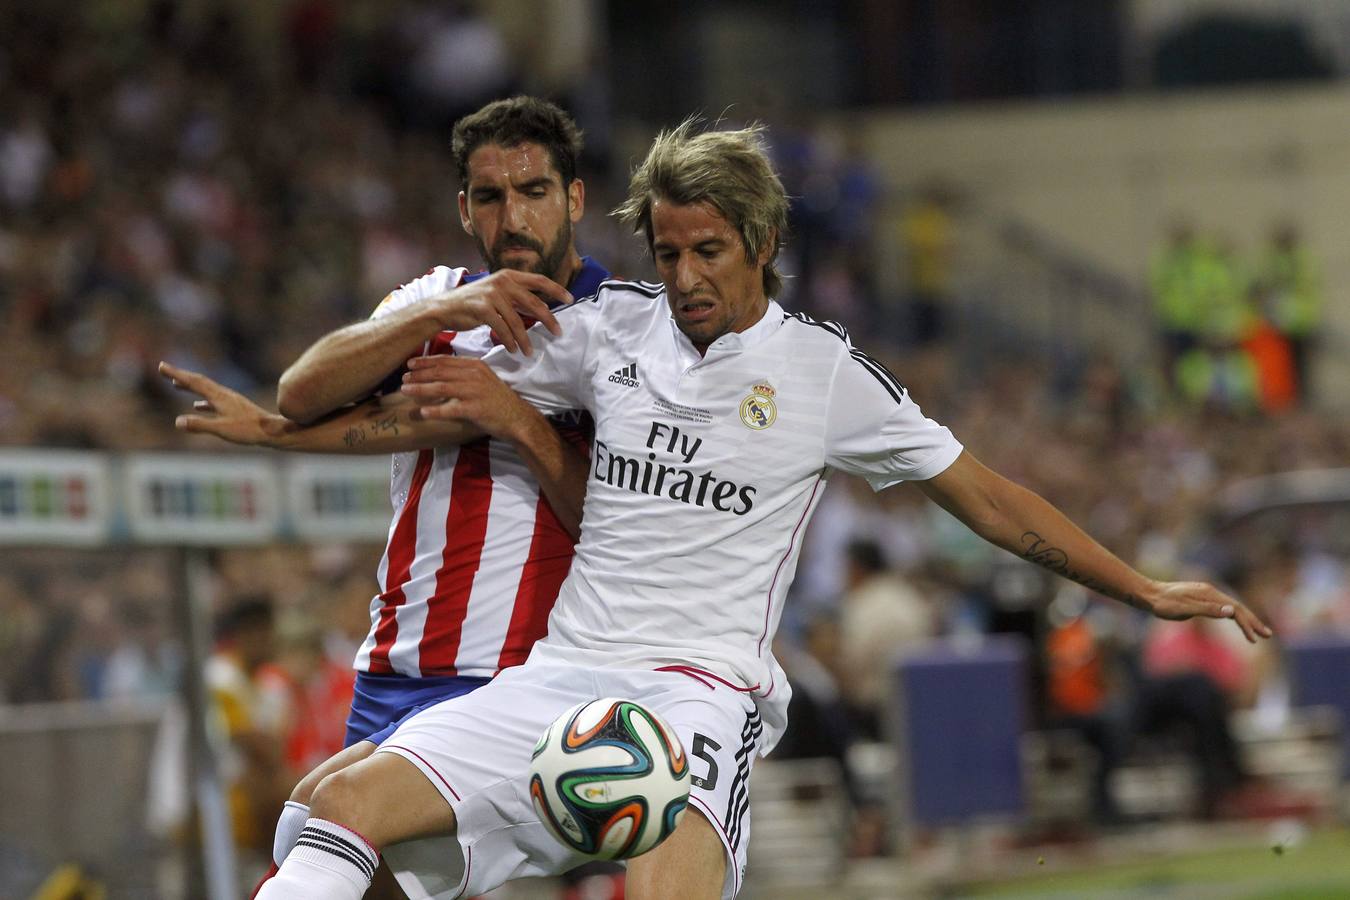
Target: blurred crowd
[188,183]
[219,185]
[284,622]
[885,575]
[1238,334]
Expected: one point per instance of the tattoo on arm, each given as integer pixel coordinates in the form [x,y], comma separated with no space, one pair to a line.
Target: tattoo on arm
[377,422]
[1038,550]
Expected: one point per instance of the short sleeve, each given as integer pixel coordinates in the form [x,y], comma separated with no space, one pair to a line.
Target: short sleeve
[874,429]
[437,281]
[556,377]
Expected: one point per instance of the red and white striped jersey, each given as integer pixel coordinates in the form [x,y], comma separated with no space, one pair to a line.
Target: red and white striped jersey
[475,554]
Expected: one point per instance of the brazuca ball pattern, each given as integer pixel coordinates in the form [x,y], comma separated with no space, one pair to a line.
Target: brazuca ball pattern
[609,779]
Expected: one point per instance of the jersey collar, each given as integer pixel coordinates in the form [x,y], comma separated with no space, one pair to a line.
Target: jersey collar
[586,281]
[735,341]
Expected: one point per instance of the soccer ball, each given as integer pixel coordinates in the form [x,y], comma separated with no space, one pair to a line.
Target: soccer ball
[609,779]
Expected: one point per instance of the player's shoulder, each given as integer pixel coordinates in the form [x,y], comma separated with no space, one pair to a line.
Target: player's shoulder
[616,300]
[643,293]
[436,280]
[829,338]
[826,333]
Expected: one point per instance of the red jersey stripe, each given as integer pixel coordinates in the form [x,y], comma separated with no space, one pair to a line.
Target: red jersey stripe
[467,519]
[402,550]
[547,565]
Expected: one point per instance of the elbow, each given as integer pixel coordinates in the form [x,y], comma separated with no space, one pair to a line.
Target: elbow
[293,401]
[989,516]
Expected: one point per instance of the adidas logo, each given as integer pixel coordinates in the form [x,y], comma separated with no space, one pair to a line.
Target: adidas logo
[627,376]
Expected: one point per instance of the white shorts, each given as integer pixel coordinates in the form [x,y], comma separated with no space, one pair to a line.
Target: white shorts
[476,750]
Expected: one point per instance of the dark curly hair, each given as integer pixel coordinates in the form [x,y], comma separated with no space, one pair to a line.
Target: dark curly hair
[516,121]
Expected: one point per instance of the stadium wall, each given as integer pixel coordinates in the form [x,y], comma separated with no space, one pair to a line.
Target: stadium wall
[1107,176]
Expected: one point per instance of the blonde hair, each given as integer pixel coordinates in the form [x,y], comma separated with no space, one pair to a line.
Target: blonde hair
[729,170]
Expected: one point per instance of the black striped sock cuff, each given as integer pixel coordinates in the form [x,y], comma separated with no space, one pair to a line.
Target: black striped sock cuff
[330,845]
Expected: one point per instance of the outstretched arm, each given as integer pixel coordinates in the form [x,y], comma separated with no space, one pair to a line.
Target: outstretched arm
[346,365]
[1024,523]
[378,425]
[392,425]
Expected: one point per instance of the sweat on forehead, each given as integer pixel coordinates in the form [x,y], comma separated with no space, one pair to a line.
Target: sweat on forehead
[522,162]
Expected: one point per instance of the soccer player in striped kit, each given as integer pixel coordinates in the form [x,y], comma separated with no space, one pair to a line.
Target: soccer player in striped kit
[482,534]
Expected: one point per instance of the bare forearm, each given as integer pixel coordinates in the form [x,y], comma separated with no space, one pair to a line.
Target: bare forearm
[372,428]
[347,364]
[560,468]
[1039,533]
[1024,523]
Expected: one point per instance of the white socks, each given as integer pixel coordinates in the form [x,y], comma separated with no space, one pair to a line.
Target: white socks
[328,862]
[292,821]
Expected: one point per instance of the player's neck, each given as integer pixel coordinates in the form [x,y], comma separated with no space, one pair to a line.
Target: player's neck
[570,267]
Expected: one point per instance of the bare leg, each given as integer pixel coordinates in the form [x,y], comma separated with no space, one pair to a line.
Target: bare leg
[384,887]
[304,789]
[292,819]
[690,865]
[385,799]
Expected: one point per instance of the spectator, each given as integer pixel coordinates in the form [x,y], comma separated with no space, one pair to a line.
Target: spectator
[1177,272]
[1292,289]
[928,243]
[248,721]
[881,616]
[1083,695]
[1217,372]
[310,692]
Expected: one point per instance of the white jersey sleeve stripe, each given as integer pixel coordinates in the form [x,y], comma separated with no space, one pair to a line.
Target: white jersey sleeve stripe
[882,374]
[879,371]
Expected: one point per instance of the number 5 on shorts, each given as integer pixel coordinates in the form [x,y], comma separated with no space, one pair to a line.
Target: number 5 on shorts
[700,749]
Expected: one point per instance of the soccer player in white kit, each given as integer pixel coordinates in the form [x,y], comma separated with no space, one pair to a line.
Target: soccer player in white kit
[718,418]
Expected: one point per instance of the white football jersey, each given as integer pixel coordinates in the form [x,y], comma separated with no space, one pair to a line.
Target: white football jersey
[704,471]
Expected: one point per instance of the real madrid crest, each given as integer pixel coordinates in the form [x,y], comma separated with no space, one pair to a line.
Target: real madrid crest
[758,410]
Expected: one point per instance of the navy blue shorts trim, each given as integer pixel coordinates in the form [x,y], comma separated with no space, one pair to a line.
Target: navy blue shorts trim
[381,703]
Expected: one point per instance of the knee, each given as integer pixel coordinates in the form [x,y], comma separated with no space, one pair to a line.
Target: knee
[337,797]
[385,799]
[304,790]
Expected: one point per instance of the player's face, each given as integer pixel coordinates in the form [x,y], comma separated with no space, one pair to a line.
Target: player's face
[518,212]
[699,257]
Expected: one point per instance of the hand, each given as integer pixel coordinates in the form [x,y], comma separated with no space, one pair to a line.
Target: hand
[452,387]
[1177,600]
[227,414]
[498,301]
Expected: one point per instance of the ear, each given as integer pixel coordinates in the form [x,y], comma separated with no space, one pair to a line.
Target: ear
[766,252]
[464,220]
[576,200]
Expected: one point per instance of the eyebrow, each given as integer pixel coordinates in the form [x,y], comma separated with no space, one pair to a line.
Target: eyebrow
[541,181]
[707,244]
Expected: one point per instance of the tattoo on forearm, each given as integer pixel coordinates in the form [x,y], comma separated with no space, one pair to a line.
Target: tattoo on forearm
[377,422]
[1038,550]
